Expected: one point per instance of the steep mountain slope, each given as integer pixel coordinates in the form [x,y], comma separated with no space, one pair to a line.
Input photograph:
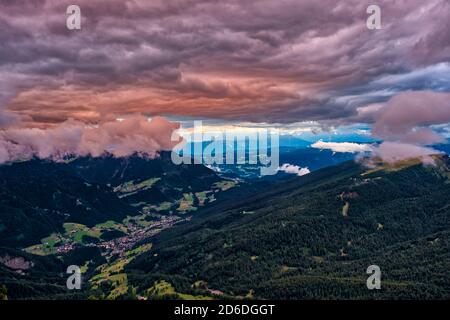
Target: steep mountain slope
[116,171]
[37,197]
[95,213]
[29,276]
[307,238]
[314,237]
[140,181]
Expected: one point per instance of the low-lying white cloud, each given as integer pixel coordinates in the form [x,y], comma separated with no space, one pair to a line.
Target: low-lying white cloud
[350,147]
[396,151]
[293,169]
[135,134]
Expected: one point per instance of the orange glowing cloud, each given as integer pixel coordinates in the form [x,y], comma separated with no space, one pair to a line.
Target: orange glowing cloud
[260,61]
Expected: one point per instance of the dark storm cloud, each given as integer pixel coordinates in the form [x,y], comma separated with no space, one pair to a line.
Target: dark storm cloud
[272,61]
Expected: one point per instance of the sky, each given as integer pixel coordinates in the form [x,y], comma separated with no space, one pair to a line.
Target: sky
[298,65]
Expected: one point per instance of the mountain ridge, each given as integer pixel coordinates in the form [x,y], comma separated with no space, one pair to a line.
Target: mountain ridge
[38,196]
[296,243]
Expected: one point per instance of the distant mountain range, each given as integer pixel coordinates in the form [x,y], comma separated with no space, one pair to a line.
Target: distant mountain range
[196,149]
[310,158]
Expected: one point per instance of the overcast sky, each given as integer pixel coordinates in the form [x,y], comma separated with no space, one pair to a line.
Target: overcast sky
[283,63]
[265,61]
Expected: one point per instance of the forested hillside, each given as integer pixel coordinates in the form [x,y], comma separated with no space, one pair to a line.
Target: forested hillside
[37,197]
[314,237]
[309,237]
[91,212]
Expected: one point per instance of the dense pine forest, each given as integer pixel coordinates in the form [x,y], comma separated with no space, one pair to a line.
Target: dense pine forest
[314,237]
[309,237]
